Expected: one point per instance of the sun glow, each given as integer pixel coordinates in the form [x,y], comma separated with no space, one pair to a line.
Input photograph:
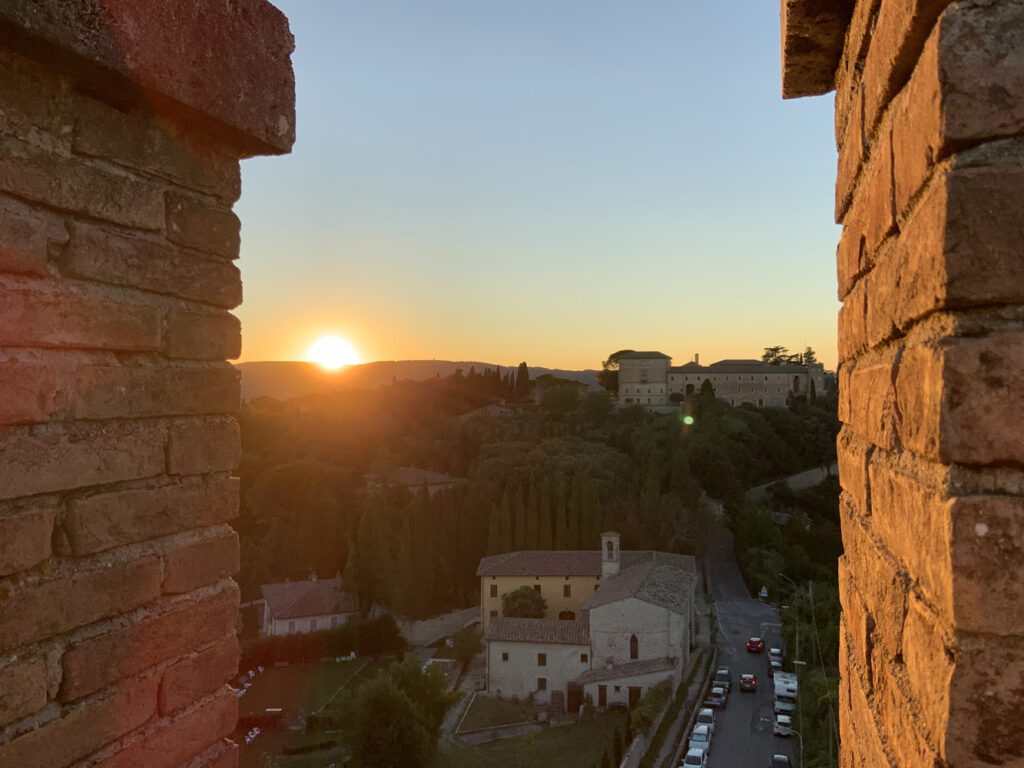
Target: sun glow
[332,353]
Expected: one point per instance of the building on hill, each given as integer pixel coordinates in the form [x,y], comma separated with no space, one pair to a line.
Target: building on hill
[649,379]
[298,607]
[617,623]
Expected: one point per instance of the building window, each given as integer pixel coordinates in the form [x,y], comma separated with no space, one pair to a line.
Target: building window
[542,659]
[542,683]
[634,648]
[584,658]
[312,625]
[567,590]
[291,626]
[494,590]
[504,657]
[566,616]
[616,689]
[536,588]
[596,586]
[494,614]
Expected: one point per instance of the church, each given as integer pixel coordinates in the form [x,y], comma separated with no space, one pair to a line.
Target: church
[617,623]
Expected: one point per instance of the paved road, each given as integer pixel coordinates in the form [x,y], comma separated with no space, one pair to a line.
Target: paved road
[741,739]
[798,481]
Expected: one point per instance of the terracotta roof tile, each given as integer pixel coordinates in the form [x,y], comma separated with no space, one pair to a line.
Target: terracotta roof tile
[539,631]
[300,599]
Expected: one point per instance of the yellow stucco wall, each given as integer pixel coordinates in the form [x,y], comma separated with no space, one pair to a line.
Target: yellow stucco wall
[551,589]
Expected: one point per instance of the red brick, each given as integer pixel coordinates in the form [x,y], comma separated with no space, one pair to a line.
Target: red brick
[98,254]
[198,447]
[196,676]
[195,225]
[70,184]
[156,146]
[25,538]
[57,318]
[28,235]
[53,607]
[28,393]
[181,740]
[102,521]
[105,392]
[201,563]
[78,455]
[84,730]
[22,689]
[99,661]
[202,335]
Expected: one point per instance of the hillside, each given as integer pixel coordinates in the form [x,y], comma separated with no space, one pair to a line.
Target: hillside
[285,380]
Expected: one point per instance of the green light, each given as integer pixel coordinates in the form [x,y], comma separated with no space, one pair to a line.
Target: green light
[687,420]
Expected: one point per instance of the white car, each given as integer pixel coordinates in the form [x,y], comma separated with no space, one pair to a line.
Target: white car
[783,725]
[700,738]
[695,758]
[706,716]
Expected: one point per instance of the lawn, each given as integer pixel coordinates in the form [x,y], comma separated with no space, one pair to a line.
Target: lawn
[570,746]
[488,711]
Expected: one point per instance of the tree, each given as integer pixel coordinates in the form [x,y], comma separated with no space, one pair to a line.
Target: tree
[608,376]
[522,382]
[386,729]
[774,355]
[809,357]
[523,603]
[466,644]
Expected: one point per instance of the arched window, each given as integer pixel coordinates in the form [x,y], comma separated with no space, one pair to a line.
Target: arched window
[567,616]
[634,648]
[611,549]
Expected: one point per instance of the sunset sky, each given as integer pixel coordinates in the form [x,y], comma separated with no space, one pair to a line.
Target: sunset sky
[541,181]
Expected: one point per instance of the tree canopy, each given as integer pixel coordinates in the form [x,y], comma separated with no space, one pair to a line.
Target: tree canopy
[523,603]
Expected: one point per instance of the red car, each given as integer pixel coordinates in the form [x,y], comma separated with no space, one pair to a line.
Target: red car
[748,683]
[755,645]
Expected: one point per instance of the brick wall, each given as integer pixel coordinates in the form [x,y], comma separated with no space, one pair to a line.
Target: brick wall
[118,172]
[930,138]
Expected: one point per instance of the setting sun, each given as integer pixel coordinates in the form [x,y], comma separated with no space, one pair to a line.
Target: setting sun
[332,352]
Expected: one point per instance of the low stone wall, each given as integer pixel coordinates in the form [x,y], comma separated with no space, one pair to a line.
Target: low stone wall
[429,631]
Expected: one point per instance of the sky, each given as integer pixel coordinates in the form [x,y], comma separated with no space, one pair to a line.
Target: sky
[543,181]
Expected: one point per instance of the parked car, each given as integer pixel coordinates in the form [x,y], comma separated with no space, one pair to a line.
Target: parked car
[706,716]
[773,667]
[780,761]
[783,725]
[700,738]
[723,678]
[775,654]
[748,683]
[716,698]
[695,758]
[755,645]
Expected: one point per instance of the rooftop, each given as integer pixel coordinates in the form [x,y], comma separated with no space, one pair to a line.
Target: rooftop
[577,562]
[666,580]
[539,631]
[628,669]
[302,599]
[644,356]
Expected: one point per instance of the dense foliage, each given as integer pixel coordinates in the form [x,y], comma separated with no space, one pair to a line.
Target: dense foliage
[364,636]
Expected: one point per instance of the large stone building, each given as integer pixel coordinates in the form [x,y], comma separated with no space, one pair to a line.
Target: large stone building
[650,379]
[617,623]
[299,607]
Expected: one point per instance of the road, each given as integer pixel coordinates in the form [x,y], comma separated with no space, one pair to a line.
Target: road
[798,481]
[742,739]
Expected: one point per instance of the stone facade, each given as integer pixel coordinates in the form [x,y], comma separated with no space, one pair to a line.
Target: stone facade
[121,125]
[929,115]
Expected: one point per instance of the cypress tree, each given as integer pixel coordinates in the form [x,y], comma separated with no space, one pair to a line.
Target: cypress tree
[561,516]
[505,526]
[544,534]
[519,536]
[522,383]
[532,517]
[494,531]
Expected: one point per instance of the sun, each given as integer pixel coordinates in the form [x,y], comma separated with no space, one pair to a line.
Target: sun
[332,353]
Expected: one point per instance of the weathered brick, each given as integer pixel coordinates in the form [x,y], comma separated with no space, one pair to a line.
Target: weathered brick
[853,332]
[28,237]
[865,749]
[853,455]
[919,389]
[202,335]
[102,521]
[28,393]
[201,563]
[196,676]
[58,318]
[929,667]
[99,661]
[34,101]
[179,741]
[872,408]
[197,447]
[901,722]
[25,538]
[196,225]
[109,257]
[916,137]
[78,455]
[144,142]
[103,392]
[22,689]
[69,184]
[84,730]
[47,609]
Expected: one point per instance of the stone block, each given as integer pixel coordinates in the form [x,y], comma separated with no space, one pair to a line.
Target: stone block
[197,225]
[201,563]
[853,316]
[105,392]
[197,447]
[53,607]
[84,730]
[872,410]
[28,237]
[919,392]
[929,660]
[28,393]
[25,536]
[202,335]
[853,455]
[195,677]
[22,689]
[97,662]
[58,318]
[108,257]
[812,44]
[78,455]
[106,520]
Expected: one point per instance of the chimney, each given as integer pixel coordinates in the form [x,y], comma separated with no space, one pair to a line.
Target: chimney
[609,554]
[696,357]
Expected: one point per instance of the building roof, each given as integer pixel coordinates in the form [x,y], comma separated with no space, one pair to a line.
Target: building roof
[578,562]
[539,631]
[413,477]
[301,599]
[643,356]
[628,669]
[739,366]
[666,580]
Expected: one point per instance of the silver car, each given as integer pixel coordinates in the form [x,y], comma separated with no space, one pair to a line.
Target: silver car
[700,738]
[783,725]
[695,758]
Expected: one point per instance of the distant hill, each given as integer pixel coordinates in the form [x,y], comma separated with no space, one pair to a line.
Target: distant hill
[285,380]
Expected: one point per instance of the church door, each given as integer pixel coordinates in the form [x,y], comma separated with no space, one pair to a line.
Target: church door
[602,696]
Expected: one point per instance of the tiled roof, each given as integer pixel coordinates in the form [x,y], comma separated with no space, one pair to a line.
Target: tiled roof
[578,562]
[738,366]
[644,356]
[665,579]
[300,599]
[539,631]
[629,669]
